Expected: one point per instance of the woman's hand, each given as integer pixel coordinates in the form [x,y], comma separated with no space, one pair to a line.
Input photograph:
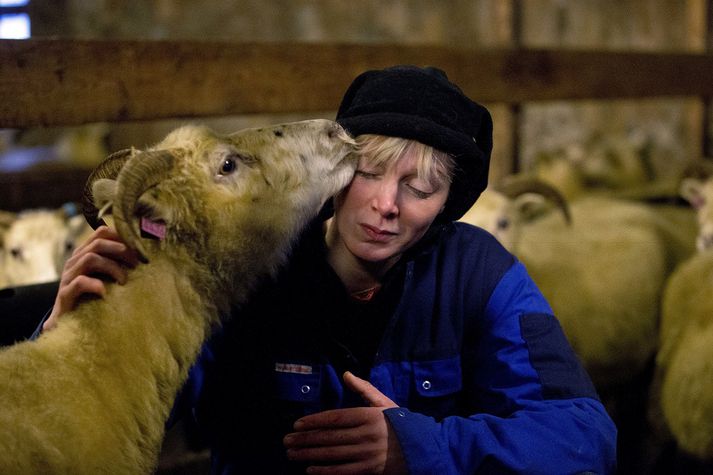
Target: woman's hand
[357,440]
[103,256]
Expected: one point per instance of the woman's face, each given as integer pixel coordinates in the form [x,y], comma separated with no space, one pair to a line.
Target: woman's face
[384,211]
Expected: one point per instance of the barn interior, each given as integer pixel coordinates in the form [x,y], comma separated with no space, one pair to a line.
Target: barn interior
[616,92]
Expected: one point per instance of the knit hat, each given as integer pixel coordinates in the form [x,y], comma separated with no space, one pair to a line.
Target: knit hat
[422,104]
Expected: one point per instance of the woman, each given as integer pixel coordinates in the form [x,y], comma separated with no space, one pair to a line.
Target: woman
[396,341]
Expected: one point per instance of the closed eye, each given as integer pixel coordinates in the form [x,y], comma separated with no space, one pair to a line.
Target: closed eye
[367,175]
[419,193]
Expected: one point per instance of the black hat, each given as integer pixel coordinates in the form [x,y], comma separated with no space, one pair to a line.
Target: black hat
[422,104]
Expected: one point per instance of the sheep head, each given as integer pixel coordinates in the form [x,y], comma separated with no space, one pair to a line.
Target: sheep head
[696,187]
[226,201]
[503,209]
[36,244]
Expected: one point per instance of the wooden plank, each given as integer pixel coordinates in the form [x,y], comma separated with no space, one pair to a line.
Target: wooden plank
[41,187]
[68,82]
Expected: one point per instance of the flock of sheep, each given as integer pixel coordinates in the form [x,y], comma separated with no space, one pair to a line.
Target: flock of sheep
[630,281]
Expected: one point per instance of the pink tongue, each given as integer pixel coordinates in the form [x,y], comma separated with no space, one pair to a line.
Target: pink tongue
[153,228]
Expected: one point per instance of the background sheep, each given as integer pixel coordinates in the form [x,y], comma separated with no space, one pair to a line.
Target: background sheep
[503,210]
[613,164]
[697,188]
[603,273]
[37,242]
[685,361]
[686,356]
[92,395]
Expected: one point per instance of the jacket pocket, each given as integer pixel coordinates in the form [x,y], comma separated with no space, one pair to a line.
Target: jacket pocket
[297,387]
[437,378]
[436,387]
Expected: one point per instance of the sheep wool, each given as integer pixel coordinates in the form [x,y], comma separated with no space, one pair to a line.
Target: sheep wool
[604,277]
[603,273]
[685,361]
[92,395]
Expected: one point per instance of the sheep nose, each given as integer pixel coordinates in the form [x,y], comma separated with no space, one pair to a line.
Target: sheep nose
[331,132]
[336,131]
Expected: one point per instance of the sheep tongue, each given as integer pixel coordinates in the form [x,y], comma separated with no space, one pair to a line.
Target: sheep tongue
[153,229]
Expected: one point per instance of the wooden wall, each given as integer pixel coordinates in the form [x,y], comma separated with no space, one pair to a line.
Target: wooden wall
[551,72]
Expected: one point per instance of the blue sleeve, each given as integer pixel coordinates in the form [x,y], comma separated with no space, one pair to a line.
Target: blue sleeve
[21,308]
[38,330]
[187,398]
[540,413]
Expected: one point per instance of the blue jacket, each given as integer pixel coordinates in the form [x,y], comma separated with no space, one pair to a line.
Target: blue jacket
[468,348]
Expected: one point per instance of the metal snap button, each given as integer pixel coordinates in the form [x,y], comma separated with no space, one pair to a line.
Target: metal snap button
[426,385]
[305,389]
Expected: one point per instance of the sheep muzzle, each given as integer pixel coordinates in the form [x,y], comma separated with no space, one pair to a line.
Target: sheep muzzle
[142,171]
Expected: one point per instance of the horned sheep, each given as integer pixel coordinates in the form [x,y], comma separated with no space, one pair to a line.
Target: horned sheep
[503,210]
[685,361]
[92,395]
[603,274]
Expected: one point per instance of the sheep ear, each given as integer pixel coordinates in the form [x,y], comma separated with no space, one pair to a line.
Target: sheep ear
[691,191]
[76,223]
[103,191]
[530,205]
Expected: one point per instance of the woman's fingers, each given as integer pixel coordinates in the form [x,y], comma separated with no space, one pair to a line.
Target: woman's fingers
[102,257]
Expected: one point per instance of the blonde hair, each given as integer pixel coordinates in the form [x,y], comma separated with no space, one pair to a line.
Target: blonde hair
[432,165]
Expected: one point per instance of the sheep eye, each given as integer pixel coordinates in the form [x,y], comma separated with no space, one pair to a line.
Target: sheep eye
[16,252]
[228,166]
[68,246]
[503,223]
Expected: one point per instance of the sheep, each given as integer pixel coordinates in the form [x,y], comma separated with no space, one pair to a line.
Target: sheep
[684,364]
[603,276]
[219,213]
[503,210]
[612,165]
[37,242]
[685,360]
[697,188]
[603,273]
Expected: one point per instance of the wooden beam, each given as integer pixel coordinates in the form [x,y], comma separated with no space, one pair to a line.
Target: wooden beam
[68,82]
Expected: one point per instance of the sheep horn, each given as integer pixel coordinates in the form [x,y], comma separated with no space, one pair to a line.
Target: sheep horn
[512,188]
[141,172]
[109,168]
